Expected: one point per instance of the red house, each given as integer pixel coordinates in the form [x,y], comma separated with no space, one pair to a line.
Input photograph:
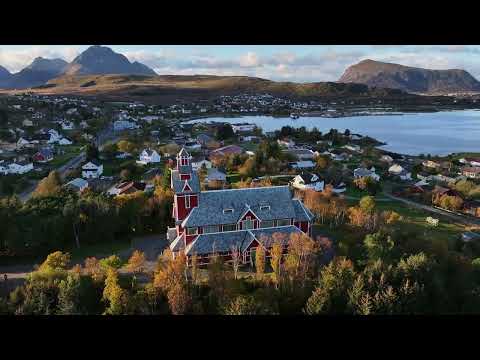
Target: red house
[217,221]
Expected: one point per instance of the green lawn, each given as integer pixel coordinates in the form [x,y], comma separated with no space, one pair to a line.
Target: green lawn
[99,250]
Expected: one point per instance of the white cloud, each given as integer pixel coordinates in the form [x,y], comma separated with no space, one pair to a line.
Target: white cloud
[250,59]
[16,59]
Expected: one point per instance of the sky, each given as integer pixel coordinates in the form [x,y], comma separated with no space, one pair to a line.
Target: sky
[299,63]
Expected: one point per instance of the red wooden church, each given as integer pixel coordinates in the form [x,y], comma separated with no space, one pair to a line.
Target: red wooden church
[217,221]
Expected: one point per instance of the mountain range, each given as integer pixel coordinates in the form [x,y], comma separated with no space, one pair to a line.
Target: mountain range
[99,70]
[410,79]
[94,60]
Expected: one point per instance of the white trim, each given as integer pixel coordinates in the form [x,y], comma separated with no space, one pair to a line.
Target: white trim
[258,188]
[222,232]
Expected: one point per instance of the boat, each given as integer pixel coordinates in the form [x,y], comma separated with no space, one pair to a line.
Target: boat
[294,116]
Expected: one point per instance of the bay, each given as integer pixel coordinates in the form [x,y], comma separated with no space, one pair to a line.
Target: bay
[439,133]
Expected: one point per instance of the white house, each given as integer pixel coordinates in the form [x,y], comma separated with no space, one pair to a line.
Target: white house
[120,125]
[386,158]
[193,145]
[27,122]
[54,136]
[286,142]
[362,172]
[243,127]
[22,142]
[471,161]
[307,180]
[398,170]
[20,167]
[92,170]
[201,162]
[64,141]
[148,156]
[67,125]
[71,111]
[308,164]
[77,184]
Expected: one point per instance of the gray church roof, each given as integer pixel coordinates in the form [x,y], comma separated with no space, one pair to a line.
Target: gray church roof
[301,211]
[267,203]
[178,184]
[224,242]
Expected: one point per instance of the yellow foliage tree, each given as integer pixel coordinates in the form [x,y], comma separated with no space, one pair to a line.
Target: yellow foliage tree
[260,261]
[136,262]
[56,261]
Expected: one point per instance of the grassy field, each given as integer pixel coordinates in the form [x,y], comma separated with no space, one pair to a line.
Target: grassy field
[100,249]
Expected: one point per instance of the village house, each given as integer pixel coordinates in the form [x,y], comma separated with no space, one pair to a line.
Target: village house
[92,169]
[472,207]
[217,221]
[20,167]
[302,154]
[215,178]
[64,141]
[43,155]
[27,123]
[148,156]
[363,173]
[243,127]
[386,158]
[192,145]
[288,143]
[126,187]
[204,139]
[307,164]
[470,161]
[67,125]
[121,125]
[227,150]
[424,176]
[307,181]
[21,143]
[77,184]
[398,170]
[199,161]
[122,155]
[471,172]
[431,164]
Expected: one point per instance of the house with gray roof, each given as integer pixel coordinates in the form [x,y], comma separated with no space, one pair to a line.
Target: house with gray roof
[217,221]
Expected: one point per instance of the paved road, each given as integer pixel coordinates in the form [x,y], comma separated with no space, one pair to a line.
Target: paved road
[462,219]
[151,245]
[62,170]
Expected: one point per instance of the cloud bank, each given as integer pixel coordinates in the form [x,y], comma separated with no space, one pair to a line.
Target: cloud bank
[311,64]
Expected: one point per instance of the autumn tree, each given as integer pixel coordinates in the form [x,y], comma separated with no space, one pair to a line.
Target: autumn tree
[93,268]
[171,278]
[301,258]
[126,146]
[111,262]
[260,261]
[49,185]
[115,297]
[276,260]
[236,256]
[56,261]
[136,262]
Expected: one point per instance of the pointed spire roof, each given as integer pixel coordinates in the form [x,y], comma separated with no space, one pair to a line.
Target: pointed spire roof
[183,152]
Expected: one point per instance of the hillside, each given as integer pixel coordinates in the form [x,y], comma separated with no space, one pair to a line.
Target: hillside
[94,60]
[103,60]
[170,88]
[410,79]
